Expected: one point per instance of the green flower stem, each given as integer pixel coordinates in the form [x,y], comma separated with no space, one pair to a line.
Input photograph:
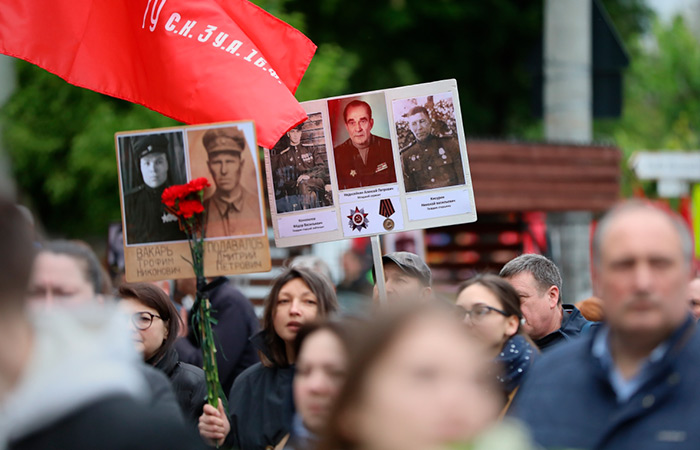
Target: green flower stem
[202,319]
[206,335]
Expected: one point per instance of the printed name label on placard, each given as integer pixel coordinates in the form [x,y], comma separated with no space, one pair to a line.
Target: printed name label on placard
[317,222]
[369,194]
[440,204]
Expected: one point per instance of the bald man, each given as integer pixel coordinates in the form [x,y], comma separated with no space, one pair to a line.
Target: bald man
[631,383]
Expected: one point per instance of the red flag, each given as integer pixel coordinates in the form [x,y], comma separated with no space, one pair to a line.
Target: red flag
[195,61]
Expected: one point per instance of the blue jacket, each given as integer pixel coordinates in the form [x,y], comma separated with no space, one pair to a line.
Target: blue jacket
[567,401]
[573,324]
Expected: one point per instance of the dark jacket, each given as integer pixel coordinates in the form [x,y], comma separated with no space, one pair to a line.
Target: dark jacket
[261,405]
[431,164]
[188,382]
[147,219]
[111,423]
[162,395]
[352,172]
[236,323]
[568,401]
[573,324]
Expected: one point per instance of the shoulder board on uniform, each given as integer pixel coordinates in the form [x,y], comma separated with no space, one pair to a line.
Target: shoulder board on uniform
[407,147]
[138,188]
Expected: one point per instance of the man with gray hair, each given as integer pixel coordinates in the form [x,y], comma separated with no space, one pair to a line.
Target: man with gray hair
[538,283]
[632,382]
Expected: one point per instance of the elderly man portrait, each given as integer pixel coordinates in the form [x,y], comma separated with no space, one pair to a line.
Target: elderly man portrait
[364,159]
[431,161]
[232,210]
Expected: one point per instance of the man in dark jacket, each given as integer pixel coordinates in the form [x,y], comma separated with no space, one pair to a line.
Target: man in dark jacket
[431,161]
[538,282]
[631,383]
[236,323]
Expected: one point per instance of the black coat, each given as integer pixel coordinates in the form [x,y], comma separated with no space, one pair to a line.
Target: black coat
[162,395]
[236,323]
[111,423]
[261,405]
[189,384]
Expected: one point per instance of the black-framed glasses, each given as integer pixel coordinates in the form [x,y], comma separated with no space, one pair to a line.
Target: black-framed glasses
[143,320]
[479,312]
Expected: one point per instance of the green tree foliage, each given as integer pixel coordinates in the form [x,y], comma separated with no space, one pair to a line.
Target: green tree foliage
[662,97]
[61,138]
[484,45]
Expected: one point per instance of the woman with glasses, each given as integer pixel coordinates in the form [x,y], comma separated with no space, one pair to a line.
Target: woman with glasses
[491,310]
[156,324]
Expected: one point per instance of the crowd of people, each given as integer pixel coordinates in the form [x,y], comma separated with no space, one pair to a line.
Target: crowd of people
[507,364]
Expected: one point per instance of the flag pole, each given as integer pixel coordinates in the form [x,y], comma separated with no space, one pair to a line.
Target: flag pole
[378,268]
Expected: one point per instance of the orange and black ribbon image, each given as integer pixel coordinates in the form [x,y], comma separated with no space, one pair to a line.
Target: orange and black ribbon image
[386,208]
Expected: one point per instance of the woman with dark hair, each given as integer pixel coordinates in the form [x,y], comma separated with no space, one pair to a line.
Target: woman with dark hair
[156,324]
[491,310]
[323,351]
[261,397]
[415,382]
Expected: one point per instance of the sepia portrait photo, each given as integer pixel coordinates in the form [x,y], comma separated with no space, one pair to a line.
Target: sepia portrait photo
[299,168]
[224,156]
[427,136]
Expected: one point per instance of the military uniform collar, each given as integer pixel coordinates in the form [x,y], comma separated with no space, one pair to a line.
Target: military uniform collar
[223,205]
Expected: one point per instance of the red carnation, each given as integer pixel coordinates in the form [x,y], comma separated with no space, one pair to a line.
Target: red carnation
[190,207]
[170,195]
[198,184]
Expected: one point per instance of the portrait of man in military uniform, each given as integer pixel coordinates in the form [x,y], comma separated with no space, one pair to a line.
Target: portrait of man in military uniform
[364,159]
[158,162]
[300,173]
[431,160]
[233,209]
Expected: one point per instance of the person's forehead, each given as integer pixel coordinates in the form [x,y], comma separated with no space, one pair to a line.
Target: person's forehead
[642,230]
[58,269]
[358,112]
[225,156]
[153,157]
[477,293]
[523,280]
[417,116]
[131,304]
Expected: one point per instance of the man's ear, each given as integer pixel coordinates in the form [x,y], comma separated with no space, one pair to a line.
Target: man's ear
[371,124]
[553,296]
[427,293]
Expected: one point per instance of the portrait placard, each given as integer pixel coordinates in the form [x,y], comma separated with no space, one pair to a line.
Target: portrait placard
[149,161]
[391,160]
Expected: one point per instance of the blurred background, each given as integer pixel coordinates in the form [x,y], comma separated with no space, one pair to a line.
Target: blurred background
[539,184]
